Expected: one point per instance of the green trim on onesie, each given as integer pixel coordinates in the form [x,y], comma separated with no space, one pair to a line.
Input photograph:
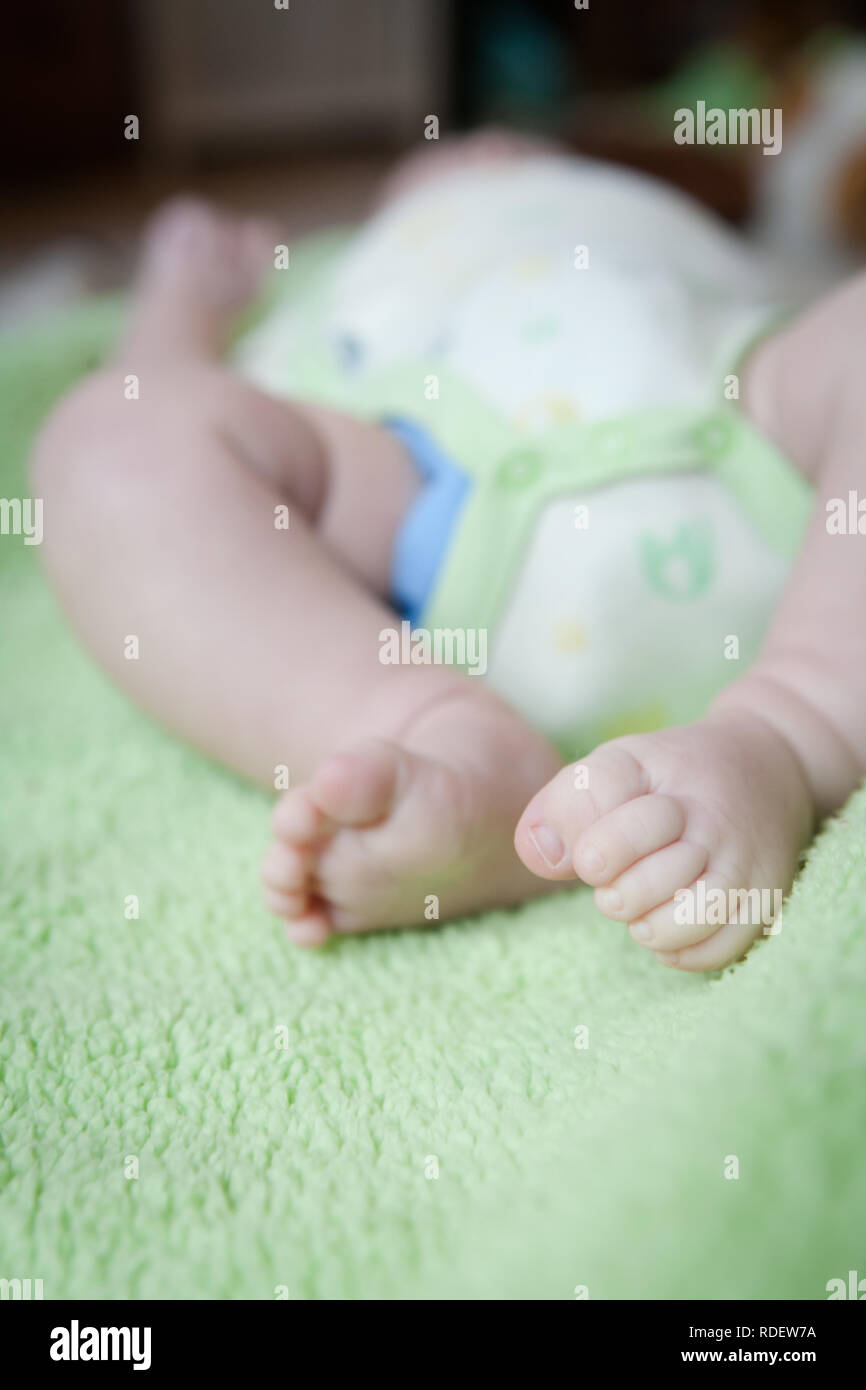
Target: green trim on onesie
[514,478]
[575,460]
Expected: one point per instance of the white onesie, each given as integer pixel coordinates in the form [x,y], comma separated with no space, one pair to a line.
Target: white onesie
[566,335]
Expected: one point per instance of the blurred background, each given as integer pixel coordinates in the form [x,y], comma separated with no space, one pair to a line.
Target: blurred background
[297,107]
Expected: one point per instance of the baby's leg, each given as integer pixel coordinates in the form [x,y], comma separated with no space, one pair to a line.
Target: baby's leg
[729,801]
[261,644]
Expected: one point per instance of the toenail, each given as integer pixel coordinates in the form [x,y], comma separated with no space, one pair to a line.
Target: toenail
[591,860]
[669,958]
[548,844]
[641,931]
[303,934]
[610,900]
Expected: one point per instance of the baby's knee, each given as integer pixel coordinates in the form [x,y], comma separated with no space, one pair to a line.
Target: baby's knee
[110,418]
[70,427]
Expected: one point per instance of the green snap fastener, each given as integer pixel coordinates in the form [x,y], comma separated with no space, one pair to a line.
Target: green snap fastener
[713,437]
[519,469]
[611,442]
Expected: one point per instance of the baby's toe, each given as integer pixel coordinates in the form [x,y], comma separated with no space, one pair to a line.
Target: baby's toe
[726,945]
[651,881]
[578,797]
[285,905]
[626,835]
[310,930]
[285,868]
[358,787]
[298,821]
[694,913]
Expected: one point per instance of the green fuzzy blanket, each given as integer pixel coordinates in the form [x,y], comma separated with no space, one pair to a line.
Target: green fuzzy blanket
[520,1106]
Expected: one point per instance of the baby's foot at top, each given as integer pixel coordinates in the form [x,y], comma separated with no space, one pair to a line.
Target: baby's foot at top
[198,268]
[690,835]
[385,836]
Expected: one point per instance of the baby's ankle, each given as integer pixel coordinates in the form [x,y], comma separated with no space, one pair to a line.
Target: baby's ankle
[774,698]
[466,722]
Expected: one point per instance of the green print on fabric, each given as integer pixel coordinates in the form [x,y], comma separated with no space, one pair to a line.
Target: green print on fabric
[683,567]
[541,329]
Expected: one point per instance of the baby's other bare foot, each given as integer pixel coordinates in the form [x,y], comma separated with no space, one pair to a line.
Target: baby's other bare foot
[199,267]
[648,818]
[403,833]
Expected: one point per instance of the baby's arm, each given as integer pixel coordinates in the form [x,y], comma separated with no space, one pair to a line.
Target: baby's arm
[805,388]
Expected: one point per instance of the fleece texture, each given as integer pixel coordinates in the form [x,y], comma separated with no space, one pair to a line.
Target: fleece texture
[519,1106]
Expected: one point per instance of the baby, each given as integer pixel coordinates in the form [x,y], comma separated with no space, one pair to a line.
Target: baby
[531,419]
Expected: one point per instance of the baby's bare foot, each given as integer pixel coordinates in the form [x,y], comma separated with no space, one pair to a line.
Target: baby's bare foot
[199,267]
[389,834]
[723,803]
